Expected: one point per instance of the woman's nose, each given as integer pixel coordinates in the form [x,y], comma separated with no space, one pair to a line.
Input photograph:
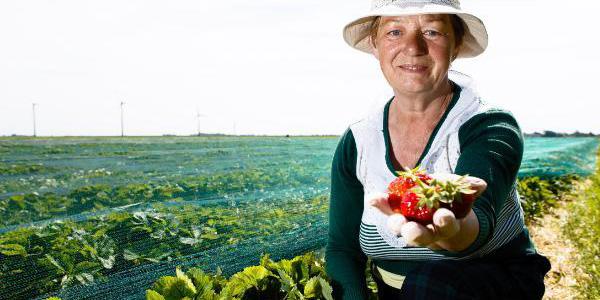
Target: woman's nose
[415,44]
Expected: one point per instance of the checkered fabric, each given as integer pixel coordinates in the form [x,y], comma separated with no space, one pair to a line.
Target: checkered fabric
[515,278]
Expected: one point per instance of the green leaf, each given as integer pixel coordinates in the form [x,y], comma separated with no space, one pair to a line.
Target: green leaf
[164,284]
[326,289]
[318,288]
[159,234]
[265,260]
[100,233]
[66,280]
[196,232]
[85,266]
[268,263]
[85,278]
[304,271]
[190,241]
[55,263]
[286,265]
[295,294]
[250,277]
[174,288]
[18,200]
[13,249]
[210,236]
[287,283]
[130,255]
[160,256]
[203,282]
[312,289]
[107,263]
[153,295]
[186,281]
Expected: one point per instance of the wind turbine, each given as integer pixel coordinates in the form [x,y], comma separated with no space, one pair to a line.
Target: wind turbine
[198,116]
[122,129]
[34,127]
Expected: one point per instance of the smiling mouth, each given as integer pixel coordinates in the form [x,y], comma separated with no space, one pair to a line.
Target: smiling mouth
[413,68]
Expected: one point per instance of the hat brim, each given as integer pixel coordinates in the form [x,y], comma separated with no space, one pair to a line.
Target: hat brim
[475,41]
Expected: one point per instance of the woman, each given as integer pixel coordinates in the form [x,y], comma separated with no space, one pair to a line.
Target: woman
[435,120]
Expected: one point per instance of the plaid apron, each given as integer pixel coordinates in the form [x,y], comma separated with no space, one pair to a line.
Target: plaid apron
[481,278]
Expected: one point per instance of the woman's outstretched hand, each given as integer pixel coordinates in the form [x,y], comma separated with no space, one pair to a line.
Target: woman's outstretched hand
[447,232]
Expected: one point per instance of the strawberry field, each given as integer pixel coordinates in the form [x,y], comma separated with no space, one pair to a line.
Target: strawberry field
[90,217]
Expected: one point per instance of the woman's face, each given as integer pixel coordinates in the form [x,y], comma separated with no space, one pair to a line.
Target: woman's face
[415,52]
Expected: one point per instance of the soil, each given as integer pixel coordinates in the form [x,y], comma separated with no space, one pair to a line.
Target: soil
[550,241]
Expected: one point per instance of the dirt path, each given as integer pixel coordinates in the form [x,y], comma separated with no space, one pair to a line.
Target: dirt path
[550,241]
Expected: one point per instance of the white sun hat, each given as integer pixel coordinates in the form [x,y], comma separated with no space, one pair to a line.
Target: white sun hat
[475,40]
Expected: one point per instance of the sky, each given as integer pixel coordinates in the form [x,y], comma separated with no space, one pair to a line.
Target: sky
[267,67]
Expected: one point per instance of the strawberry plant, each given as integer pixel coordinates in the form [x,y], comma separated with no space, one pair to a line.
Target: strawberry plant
[302,277]
[28,207]
[538,195]
[65,254]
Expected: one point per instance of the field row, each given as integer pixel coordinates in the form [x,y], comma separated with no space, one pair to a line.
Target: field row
[38,260]
[24,208]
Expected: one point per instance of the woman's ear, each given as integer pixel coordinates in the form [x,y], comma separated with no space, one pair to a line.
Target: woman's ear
[455,54]
[373,47]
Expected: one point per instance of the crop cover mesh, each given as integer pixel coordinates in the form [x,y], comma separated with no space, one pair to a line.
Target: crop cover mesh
[106,217]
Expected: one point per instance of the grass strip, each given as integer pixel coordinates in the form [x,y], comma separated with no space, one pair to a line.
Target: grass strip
[583,228]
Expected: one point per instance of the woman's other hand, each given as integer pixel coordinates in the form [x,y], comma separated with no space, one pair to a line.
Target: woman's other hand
[447,232]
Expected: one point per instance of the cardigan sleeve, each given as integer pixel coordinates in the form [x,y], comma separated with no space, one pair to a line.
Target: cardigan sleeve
[492,149]
[345,261]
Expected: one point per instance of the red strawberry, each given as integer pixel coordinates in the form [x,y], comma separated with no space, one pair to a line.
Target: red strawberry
[417,196]
[405,181]
[458,196]
[461,207]
[412,208]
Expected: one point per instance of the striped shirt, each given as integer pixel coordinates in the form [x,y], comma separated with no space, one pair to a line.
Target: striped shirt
[471,138]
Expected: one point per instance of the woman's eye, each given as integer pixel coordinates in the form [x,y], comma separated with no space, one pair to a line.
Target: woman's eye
[432,33]
[394,33]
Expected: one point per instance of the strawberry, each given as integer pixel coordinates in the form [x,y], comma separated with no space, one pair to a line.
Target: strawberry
[417,196]
[461,207]
[405,181]
[457,196]
[412,208]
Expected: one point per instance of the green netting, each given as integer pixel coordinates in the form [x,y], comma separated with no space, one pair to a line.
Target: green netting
[106,217]
[548,157]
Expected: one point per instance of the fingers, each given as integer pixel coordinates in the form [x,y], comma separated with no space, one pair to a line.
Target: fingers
[478,184]
[380,201]
[416,234]
[395,223]
[445,224]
